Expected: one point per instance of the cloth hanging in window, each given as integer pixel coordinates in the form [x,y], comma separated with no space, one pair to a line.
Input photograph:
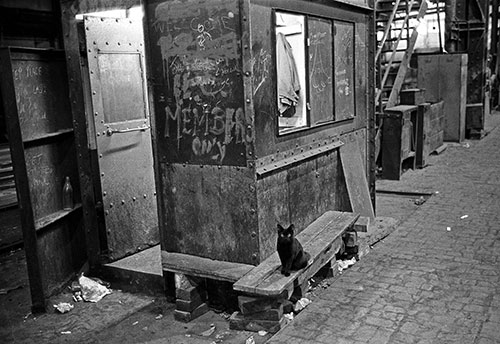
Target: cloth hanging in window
[288,77]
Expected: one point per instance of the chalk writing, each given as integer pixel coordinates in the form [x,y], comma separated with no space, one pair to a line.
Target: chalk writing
[321,74]
[200,52]
[41,96]
[344,69]
[260,66]
[29,71]
[321,70]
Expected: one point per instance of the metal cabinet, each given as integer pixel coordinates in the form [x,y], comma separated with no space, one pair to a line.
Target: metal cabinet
[398,140]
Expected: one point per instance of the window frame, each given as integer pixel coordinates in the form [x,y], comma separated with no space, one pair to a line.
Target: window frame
[309,121]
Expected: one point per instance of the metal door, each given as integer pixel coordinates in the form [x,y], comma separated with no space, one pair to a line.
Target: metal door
[116,61]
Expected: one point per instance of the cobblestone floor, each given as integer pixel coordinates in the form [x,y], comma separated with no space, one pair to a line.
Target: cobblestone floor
[421,284]
[436,279]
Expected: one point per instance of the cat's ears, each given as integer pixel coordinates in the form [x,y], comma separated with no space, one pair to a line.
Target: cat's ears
[281,229]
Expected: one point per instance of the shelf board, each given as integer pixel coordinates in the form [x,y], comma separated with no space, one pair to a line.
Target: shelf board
[34,139]
[51,218]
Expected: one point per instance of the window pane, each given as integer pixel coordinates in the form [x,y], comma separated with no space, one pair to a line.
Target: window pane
[344,70]
[122,91]
[291,71]
[320,70]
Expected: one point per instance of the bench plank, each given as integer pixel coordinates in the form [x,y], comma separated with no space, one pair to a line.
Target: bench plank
[322,248]
[266,268]
[355,178]
[203,267]
[321,239]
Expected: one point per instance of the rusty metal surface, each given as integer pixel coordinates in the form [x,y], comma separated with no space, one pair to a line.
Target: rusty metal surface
[202,217]
[116,64]
[467,32]
[297,159]
[211,212]
[471,26]
[298,195]
[202,113]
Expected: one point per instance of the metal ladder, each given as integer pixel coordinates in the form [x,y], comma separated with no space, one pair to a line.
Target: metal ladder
[397,22]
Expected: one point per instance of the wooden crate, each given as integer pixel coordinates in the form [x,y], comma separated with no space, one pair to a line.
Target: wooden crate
[475,120]
[414,96]
[398,139]
[444,78]
[429,131]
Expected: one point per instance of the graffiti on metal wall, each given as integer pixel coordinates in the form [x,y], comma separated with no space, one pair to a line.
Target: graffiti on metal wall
[344,69]
[202,98]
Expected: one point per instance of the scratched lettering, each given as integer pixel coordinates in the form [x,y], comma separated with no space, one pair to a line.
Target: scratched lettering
[321,71]
[199,45]
[209,129]
[260,66]
[344,69]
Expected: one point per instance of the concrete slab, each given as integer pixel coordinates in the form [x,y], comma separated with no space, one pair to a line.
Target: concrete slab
[147,261]
[140,272]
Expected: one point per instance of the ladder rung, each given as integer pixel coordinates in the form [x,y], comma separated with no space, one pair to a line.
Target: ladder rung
[402,28]
[395,39]
[390,50]
[397,19]
[389,10]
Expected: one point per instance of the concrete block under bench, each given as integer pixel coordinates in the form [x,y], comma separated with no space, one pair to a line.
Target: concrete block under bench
[191,273]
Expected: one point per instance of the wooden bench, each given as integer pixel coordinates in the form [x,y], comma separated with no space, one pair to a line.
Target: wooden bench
[322,239]
[264,292]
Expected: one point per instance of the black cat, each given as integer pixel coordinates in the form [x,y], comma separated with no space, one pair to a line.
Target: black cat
[290,251]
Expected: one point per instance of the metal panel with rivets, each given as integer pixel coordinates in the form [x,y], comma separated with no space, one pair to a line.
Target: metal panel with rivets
[119,104]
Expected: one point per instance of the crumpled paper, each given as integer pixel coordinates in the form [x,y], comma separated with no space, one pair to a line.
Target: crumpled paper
[209,332]
[301,304]
[64,307]
[250,340]
[344,264]
[91,290]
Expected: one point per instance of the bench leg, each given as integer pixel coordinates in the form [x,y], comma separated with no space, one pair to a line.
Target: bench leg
[169,280]
[260,313]
[191,296]
[326,271]
[300,291]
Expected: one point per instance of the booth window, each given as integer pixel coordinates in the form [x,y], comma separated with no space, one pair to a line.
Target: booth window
[315,70]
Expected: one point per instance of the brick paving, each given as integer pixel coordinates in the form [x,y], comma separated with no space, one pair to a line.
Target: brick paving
[424,283]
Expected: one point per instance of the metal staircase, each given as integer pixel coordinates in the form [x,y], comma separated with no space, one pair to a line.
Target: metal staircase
[397,22]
